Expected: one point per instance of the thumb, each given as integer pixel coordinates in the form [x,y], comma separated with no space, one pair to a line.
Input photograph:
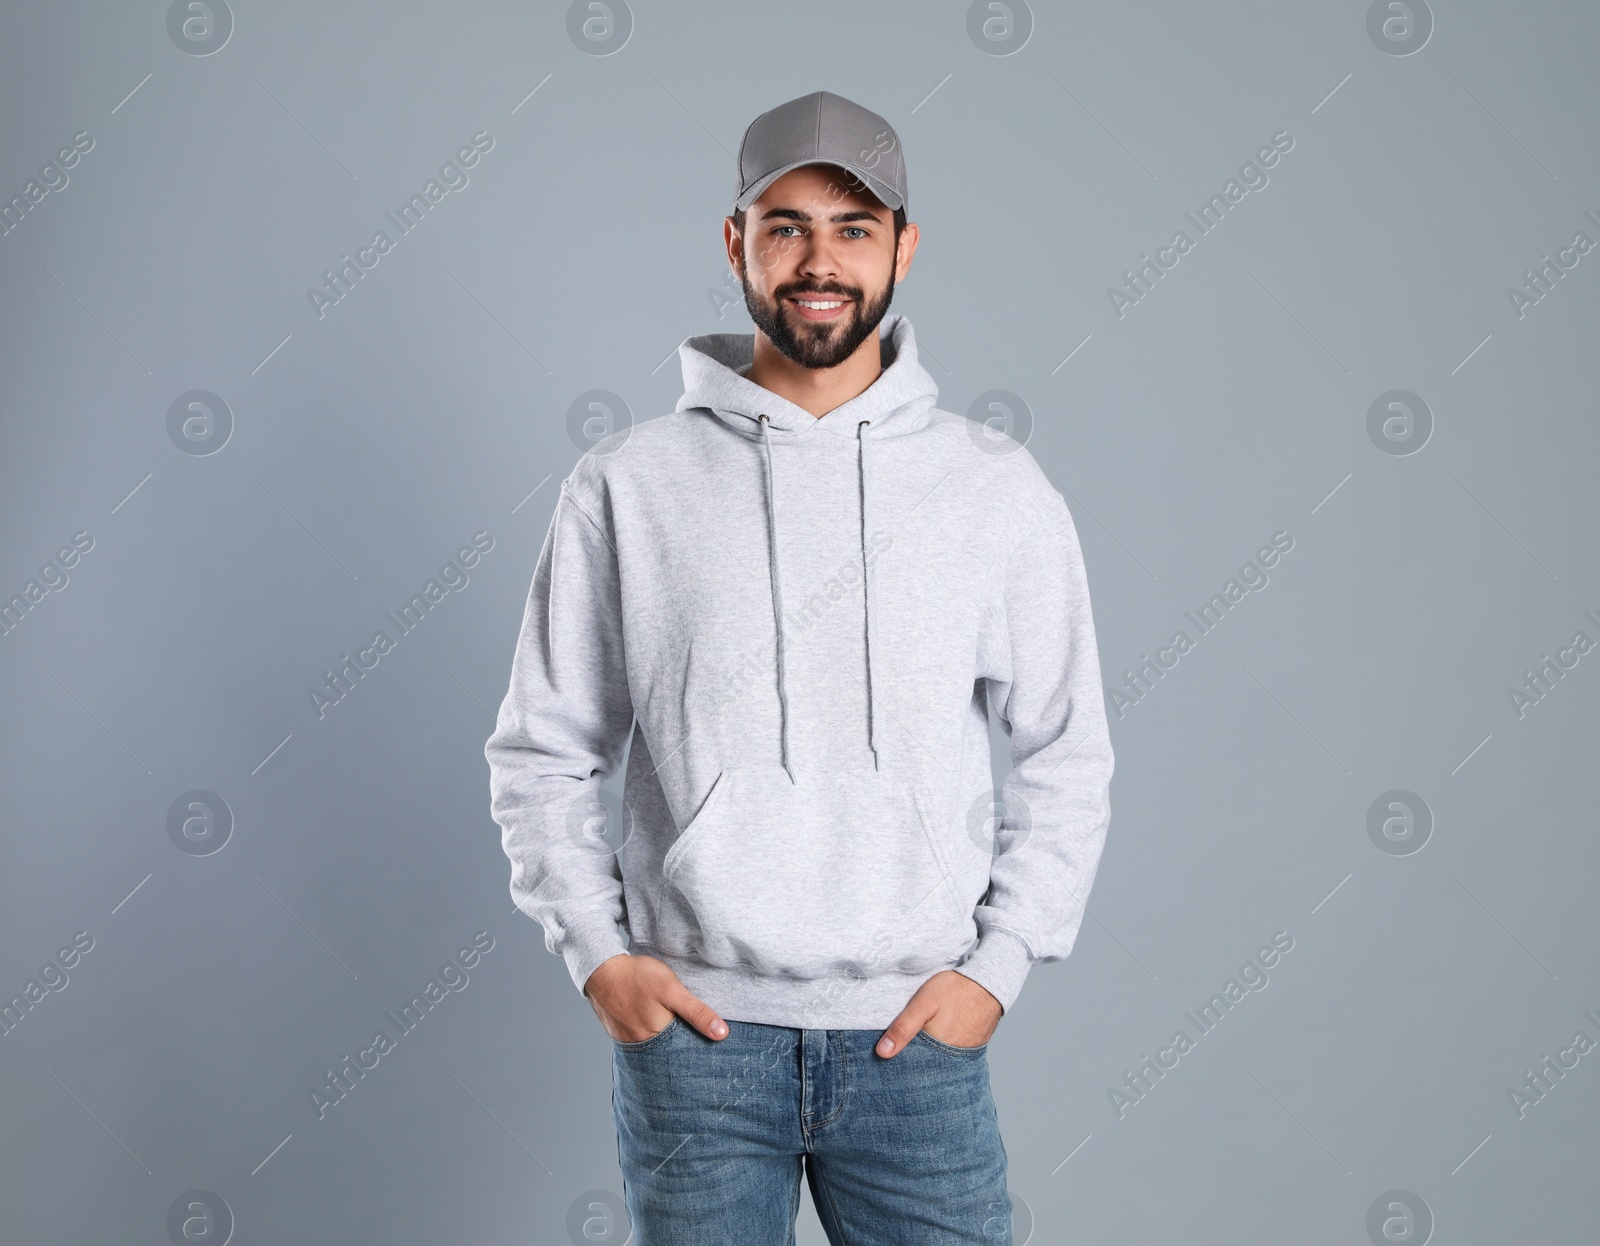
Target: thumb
[905,1027]
[701,1015]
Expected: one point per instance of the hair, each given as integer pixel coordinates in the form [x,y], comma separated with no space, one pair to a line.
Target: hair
[899,222]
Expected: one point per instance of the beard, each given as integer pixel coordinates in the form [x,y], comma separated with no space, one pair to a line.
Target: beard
[817,344]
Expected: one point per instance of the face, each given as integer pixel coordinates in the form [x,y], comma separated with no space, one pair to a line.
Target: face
[809,238]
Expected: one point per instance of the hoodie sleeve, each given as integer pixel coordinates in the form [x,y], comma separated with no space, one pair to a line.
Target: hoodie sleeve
[561,729]
[1044,683]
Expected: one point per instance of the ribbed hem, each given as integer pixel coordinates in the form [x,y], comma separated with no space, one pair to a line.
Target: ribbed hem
[844,1003]
[999,964]
[586,948]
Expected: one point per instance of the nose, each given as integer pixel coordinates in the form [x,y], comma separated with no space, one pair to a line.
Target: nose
[817,260]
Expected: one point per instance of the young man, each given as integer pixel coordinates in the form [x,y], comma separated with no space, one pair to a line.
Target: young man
[799,593]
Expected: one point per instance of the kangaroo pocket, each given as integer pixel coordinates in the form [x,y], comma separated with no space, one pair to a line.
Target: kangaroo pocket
[835,873]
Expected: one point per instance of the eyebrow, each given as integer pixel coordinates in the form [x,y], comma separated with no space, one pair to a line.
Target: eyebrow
[838,218]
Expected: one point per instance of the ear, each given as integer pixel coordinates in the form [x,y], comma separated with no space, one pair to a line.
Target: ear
[905,249]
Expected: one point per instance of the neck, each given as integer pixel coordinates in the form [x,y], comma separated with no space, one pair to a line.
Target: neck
[817,390]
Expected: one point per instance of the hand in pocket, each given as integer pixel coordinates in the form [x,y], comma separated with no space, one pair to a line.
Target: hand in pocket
[951,1008]
[636,998]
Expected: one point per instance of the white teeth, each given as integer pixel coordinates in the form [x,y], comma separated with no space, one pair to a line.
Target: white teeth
[820,306]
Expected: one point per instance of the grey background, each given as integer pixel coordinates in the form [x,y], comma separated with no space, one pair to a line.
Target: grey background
[431,403]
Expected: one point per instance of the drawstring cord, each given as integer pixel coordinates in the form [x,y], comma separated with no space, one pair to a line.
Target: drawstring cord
[777,591]
[777,588]
[866,587]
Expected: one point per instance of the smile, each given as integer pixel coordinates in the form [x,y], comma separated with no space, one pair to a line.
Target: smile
[819,308]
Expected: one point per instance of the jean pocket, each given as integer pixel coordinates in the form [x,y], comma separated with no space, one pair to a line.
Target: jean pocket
[836,873]
[950,1048]
[655,1038]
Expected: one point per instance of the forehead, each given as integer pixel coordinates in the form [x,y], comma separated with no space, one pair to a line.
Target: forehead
[818,190]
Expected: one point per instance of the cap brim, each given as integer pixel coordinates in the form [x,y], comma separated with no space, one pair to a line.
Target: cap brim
[884,192]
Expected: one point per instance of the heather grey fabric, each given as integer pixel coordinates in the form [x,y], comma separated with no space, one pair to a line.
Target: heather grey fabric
[799,620]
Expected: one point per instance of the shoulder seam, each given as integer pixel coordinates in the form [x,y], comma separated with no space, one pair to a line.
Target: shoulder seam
[572,496]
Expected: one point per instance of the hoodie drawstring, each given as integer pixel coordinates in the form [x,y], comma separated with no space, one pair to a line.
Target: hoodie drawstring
[866,587]
[777,590]
[777,587]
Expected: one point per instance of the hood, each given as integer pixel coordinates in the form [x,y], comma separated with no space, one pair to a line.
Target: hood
[896,404]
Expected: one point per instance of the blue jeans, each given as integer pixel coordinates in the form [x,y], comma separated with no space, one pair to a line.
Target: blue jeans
[712,1136]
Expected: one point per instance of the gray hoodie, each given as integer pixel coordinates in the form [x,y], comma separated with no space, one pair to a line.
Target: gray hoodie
[800,621]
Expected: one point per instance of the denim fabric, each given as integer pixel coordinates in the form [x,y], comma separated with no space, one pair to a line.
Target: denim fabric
[713,1136]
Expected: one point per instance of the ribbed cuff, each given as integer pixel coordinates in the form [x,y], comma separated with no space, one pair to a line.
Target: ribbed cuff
[588,947]
[998,964]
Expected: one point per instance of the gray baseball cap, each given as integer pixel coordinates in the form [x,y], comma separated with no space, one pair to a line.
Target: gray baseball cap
[821,128]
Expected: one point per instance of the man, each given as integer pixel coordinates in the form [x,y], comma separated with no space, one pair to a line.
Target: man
[800,592]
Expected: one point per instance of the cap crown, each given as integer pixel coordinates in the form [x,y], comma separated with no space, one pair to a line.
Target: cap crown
[821,128]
